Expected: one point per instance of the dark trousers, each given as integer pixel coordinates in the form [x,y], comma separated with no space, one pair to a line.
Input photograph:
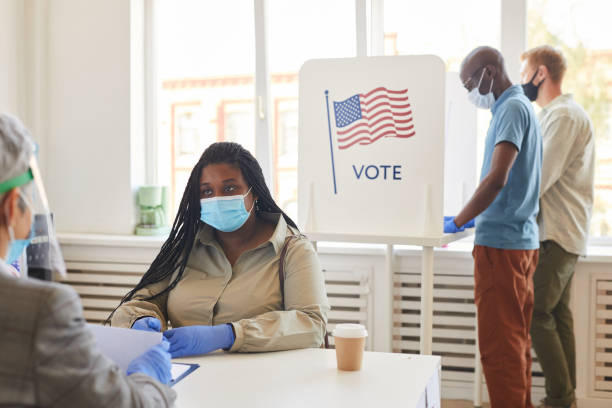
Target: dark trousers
[503,293]
[552,328]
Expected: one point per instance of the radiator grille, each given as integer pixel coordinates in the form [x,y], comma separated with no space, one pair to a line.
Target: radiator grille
[454,324]
[350,297]
[603,336]
[102,285]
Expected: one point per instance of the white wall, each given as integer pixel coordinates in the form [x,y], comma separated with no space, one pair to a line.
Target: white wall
[10,39]
[72,71]
[89,172]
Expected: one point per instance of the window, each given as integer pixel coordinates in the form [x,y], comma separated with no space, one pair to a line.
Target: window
[205,65]
[582,30]
[184,143]
[237,123]
[448,29]
[293,41]
[206,59]
[285,154]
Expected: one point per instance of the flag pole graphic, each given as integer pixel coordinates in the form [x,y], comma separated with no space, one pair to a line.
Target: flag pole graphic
[331,145]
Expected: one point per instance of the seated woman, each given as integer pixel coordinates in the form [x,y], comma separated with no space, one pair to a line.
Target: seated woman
[217,277]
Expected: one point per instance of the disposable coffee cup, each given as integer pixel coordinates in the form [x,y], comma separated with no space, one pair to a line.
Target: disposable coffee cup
[349,339]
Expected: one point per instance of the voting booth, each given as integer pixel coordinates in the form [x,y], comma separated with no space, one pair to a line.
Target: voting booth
[372,138]
[387,147]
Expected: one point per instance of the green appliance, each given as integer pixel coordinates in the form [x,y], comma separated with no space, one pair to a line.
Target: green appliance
[153,205]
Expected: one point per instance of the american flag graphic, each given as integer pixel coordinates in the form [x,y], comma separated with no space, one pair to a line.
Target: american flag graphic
[365,118]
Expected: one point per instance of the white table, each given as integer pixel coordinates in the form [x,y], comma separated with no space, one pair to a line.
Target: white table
[309,378]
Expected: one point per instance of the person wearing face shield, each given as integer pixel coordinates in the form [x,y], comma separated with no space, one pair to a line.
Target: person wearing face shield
[566,203]
[48,357]
[505,206]
[235,273]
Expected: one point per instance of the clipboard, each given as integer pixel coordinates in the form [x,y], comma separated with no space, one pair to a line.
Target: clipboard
[183,370]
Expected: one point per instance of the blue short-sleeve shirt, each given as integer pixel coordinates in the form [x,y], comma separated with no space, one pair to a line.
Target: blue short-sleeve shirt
[510,221]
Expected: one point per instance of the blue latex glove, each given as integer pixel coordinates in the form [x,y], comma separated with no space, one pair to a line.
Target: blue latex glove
[155,363]
[450,227]
[147,324]
[194,340]
[470,224]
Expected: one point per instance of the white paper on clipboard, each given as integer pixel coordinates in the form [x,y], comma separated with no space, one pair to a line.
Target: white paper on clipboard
[123,345]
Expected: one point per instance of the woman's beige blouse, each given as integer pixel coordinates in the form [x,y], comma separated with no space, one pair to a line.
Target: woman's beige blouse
[246,295]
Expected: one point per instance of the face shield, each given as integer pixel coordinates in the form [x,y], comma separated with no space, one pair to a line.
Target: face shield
[43,255]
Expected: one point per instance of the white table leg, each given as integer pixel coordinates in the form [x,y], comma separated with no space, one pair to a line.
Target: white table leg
[427,275]
[388,289]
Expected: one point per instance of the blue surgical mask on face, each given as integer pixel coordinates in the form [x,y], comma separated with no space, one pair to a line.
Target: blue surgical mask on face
[482,101]
[17,246]
[226,214]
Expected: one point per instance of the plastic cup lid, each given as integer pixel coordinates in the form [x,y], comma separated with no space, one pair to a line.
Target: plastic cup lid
[350,330]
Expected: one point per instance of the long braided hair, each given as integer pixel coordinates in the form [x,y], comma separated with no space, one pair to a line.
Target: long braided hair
[175,251]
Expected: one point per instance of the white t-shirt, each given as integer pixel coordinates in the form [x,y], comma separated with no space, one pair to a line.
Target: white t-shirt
[568,170]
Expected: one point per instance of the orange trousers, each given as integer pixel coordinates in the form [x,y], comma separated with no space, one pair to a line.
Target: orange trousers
[503,293]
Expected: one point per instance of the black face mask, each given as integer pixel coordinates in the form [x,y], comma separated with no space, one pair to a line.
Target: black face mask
[531,90]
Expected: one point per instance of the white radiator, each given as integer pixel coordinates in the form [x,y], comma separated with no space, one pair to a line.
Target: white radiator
[454,325]
[350,297]
[602,370]
[102,285]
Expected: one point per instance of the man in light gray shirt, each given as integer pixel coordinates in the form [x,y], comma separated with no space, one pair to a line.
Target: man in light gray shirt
[566,203]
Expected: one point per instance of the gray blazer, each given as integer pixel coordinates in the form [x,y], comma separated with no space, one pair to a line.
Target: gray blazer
[48,358]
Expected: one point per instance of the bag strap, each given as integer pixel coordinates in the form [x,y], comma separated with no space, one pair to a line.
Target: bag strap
[281,273]
[281,264]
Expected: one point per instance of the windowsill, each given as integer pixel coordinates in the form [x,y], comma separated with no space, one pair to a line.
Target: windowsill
[107,240]
[462,248]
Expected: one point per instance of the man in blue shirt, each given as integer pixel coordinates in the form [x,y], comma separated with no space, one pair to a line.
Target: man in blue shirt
[505,205]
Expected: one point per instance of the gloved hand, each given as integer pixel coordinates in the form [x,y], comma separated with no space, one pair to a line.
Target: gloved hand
[450,227]
[155,363]
[470,224]
[193,340]
[147,324]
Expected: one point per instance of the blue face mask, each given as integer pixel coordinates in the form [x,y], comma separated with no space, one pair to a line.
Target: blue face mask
[17,246]
[226,214]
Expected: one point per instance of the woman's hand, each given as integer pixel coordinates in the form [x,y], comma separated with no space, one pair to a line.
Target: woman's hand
[147,324]
[193,340]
